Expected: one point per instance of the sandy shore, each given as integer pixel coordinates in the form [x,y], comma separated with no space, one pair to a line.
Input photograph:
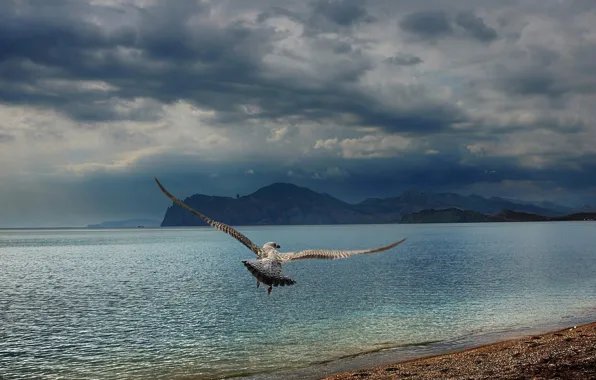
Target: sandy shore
[563,354]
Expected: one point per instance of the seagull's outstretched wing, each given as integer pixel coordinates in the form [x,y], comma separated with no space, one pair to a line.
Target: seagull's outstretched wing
[329,254]
[213,223]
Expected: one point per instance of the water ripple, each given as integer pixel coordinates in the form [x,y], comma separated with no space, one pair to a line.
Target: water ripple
[177,303]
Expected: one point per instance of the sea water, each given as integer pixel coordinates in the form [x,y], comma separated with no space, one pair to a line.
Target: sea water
[177,303]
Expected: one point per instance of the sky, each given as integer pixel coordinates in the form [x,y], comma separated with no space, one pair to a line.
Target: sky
[349,97]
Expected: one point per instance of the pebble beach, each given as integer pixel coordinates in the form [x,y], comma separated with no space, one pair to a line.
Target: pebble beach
[569,353]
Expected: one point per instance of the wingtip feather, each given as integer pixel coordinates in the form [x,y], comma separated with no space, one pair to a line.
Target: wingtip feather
[158,183]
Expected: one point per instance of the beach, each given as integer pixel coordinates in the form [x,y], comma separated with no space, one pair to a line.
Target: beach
[569,353]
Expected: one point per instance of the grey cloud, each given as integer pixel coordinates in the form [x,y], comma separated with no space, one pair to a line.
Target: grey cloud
[277,11]
[54,41]
[44,134]
[334,16]
[475,26]
[182,50]
[134,138]
[5,138]
[403,59]
[427,116]
[215,67]
[427,24]
[343,12]
[431,118]
[229,56]
[433,25]
[540,71]
[339,46]
[528,81]
[165,33]
[584,62]
[342,48]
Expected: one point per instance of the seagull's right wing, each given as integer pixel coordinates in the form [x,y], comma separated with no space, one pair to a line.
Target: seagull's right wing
[213,223]
[330,254]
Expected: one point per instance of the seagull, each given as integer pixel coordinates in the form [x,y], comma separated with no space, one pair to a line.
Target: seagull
[267,267]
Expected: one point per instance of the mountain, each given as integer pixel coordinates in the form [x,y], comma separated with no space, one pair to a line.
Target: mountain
[586,208]
[578,216]
[449,215]
[126,223]
[453,215]
[548,205]
[288,204]
[279,203]
[415,201]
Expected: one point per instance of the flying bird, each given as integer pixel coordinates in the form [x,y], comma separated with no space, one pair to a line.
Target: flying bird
[267,267]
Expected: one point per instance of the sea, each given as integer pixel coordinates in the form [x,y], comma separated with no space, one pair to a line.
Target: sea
[177,303]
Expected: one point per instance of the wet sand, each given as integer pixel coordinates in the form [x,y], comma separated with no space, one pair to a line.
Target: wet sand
[565,354]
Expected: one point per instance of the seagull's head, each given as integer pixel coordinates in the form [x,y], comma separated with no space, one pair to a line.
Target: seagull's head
[271,244]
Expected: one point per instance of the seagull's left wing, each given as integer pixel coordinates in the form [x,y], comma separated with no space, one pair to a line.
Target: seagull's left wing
[329,254]
[214,223]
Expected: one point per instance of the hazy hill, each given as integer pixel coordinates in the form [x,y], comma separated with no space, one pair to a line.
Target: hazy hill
[449,215]
[453,215]
[284,203]
[415,201]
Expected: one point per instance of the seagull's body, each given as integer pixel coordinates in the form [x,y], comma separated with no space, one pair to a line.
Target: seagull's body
[267,267]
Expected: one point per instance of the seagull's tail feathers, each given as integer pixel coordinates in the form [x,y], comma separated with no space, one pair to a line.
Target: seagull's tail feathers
[268,272]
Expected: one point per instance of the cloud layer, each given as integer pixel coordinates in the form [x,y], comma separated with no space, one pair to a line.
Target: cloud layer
[353,98]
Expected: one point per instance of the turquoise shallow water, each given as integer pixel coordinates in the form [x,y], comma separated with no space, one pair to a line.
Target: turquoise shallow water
[177,303]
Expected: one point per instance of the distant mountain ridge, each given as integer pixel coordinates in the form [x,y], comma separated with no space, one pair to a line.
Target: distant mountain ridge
[454,215]
[289,204]
[449,215]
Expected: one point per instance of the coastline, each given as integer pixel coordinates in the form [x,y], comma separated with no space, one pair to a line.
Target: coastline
[423,360]
[568,353]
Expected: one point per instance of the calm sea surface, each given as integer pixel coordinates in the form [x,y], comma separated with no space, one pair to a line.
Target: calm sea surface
[178,303]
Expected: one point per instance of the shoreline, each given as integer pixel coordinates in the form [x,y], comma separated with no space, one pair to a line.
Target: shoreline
[568,353]
[373,365]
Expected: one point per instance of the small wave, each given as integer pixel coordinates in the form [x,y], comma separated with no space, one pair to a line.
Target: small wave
[12,354]
[382,346]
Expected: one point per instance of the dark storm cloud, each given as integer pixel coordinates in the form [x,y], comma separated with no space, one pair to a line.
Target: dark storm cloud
[529,81]
[404,60]
[341,18]
[213,66]
[436,24]
[165,61]
[447,172]
[546,72]
[318,103]
[475,26]
[343,12]
[324,16]
[276,11]
[427,119]
[379,177]
[319,63]
[427,24]
[133,193]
